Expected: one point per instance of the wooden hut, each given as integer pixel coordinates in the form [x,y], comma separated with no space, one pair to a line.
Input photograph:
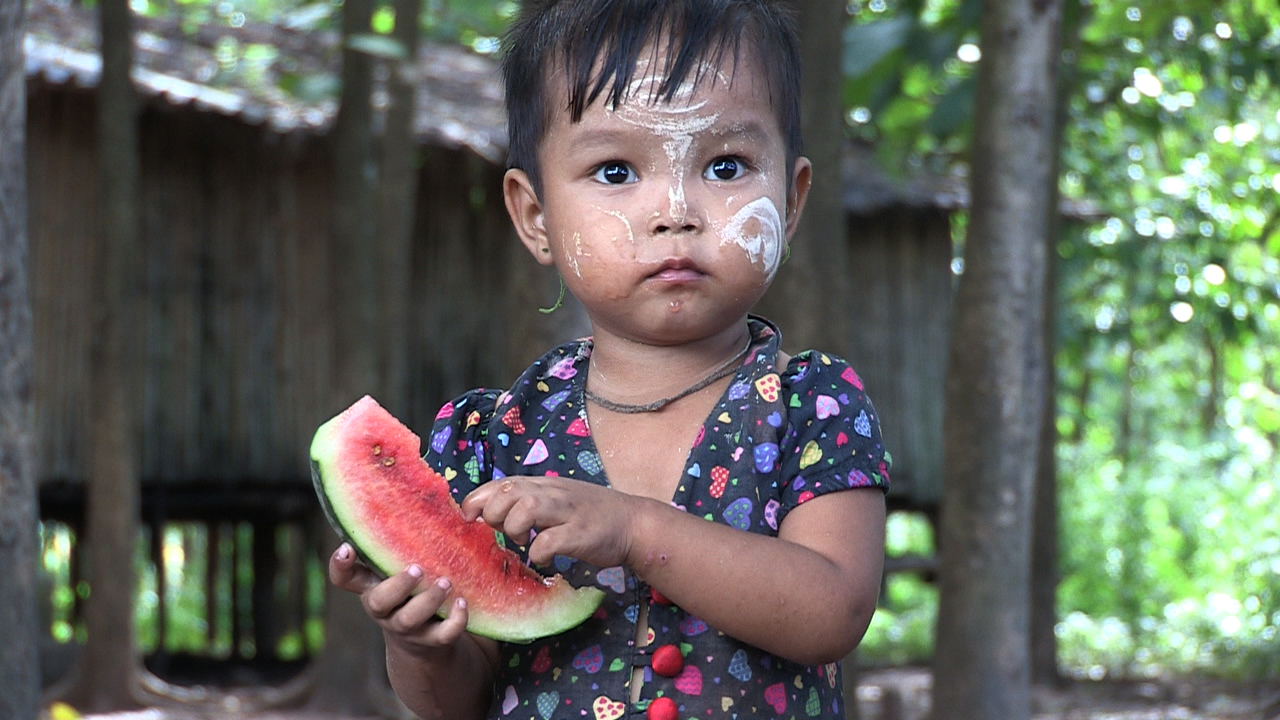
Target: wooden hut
[901,254]
[238,357]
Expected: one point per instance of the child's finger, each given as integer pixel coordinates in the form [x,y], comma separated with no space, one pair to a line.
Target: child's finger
[348,573]
[386,596]
[521,519]
[419,611]
[492,500]
[451,628]
[545,546]
[497,503]
[477,501]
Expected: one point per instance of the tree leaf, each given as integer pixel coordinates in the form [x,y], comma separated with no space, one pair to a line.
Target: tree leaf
[865,45]
[953,111]
[379,46]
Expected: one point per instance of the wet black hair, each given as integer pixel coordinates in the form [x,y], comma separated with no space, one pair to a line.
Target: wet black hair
[598,42]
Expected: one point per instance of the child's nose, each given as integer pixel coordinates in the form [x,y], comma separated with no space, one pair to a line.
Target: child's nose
[675,211]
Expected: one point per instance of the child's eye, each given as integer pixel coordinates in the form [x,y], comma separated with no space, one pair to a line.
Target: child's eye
[726,168]
[615,173]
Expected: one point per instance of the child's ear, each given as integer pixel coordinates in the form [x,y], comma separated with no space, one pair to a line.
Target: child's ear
[525,210]
[801,177]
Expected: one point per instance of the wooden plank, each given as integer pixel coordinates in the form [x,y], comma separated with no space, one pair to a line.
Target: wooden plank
[902,272]
[63,231]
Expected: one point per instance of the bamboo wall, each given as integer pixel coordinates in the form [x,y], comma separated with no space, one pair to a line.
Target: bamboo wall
[237,360]
[901,258]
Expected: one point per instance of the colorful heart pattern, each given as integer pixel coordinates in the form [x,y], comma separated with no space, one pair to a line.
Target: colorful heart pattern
[689,681]
[776,696]
[606,709]
[778,437]
[591,660]
[547,703]
[769,386]
[719,480]
[613,578]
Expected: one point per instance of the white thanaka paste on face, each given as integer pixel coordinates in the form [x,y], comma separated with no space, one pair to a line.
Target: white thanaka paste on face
[677,120]
[626,222]
[761,240]
[572,258]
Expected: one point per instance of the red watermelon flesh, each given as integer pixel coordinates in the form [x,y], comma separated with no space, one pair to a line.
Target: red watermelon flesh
[383,498]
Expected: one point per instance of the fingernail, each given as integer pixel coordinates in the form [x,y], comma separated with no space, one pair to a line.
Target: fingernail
[443,583]
[415,571]
[462,604]
[344,551]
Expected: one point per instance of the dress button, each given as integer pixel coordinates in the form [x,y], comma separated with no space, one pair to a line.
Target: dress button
[663,708]
[668,661]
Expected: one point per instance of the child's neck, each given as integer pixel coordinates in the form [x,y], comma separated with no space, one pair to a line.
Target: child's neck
[638,374]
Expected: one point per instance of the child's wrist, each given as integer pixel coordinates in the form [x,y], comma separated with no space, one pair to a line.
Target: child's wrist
[646,549]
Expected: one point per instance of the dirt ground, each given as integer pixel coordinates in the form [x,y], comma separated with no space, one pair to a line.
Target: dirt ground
[891,694]
[904,694]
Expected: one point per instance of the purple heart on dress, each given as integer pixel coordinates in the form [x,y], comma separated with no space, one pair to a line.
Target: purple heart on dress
[440,440]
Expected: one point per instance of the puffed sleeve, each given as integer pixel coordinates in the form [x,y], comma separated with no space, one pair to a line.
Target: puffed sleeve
[833,438]
[458,446]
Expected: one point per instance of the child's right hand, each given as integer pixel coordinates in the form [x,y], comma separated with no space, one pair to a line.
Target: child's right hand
[407,620]
[436,667]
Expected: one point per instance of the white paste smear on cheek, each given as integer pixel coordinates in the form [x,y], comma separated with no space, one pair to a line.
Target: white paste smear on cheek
[626,223]
[572,258]
[757,229]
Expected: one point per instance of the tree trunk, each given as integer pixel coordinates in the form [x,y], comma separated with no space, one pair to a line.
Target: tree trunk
[1045,566]
[351,660]
[819,254]
[995,382]
[355,268]
[818,265]
[19,627]
[397,191]
[109,669]
[1044,543]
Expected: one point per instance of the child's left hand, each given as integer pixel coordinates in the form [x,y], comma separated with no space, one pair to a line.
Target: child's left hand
[564,517]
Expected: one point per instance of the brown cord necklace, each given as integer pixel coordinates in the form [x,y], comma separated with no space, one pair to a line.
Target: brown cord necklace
[728,367]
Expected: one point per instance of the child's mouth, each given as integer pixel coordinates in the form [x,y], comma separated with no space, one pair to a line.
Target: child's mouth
[677,271]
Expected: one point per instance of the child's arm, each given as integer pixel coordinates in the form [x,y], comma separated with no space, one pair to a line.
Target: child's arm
[436,668]
[806,595]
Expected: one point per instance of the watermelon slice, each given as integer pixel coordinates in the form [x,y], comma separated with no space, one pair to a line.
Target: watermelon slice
[394,509]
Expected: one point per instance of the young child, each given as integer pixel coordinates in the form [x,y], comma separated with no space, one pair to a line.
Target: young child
[727,497]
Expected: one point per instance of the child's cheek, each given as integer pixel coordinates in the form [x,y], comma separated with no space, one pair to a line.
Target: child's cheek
[621,232]
[574,253]
[614,240]
[756,229]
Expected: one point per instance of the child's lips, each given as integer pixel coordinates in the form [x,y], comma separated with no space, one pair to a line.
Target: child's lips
[677,271]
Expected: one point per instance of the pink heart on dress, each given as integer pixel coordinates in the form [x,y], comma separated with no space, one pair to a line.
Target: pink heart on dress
[851,376]
[776,695]
[537,453]
[689,681]
[578,428]
[827,406]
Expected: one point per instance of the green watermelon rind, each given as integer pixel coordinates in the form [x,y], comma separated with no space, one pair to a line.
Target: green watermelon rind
[570,608]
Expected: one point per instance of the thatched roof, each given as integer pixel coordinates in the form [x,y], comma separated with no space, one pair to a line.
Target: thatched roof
[459,96]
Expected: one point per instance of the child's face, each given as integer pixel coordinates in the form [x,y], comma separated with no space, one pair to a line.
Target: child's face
[667,220]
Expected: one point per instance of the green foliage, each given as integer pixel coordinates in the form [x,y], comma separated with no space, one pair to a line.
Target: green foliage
[901,632]
[1169,312]
[195,622]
